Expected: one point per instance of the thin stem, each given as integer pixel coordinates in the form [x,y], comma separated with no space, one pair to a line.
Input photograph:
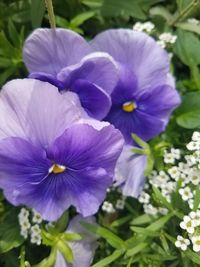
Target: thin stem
[49,6]
[186,11]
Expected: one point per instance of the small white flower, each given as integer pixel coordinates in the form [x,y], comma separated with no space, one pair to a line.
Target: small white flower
[36,217]
[174,172]
[24,233]
[138,27]
[193,21]
[24,214]
[35,229]
[144,198]
[196,243]
[169,158]
[193,145]
[185,193]
[187,224]
[176,153]
[162,211]
[167,37]
[161,43]
[182,243]
[108,207]
[196,136]
[36,239]
[150,209]
[195,177]
[191,160]
[120,204]
[195,216]
[147,27]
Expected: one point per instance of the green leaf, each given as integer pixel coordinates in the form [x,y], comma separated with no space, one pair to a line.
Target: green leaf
[10,232]
[140,142]
[189,111]
[61,224]
[111,238]
[142,219]
[14,36]
[162,200]
[81,18]
[116,254]
[161,11]
[158,224]
[187,48]
[193,256]
[134,8]
[197,198]
[49,261]
[37,12]
[188,27]
[149,166]
[138,248]
[143,231]
[66,251]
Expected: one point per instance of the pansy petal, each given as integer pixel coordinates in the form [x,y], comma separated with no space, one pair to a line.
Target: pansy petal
[138,51]
[98,68]
[27,98]
[45,77]
[130,172]
[50,50]
[94,100]
[134,122]
[77,147]
[21,165]
[159,102]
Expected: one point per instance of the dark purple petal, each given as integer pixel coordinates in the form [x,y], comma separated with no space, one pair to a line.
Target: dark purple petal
[126,88]
[140,123]
[22,165]
[50,50]
[159,102]
[94,100]
[130,172]
[38,109]
[97,68]
[139,52]
[82,146]
[45,77]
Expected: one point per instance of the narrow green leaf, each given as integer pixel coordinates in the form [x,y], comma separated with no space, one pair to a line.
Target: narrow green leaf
[37,12]
[111,238]
[81,18]
[140,142]
[162,200]
[189,27]
[158,224]
[138,248]
[197,198]
[106,261]
[66,251]
[193,256]
[142,219]
[143,231]
[13,34]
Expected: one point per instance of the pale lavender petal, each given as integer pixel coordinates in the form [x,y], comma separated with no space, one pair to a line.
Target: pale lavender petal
[138,51]
[50,50]
[38,109]
[129,172]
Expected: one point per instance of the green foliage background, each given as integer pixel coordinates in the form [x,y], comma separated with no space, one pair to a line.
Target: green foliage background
[129,238]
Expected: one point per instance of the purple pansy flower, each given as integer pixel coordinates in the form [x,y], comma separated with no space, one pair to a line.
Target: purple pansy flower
[145,95]
[129,172]
[83,250]
[50,157]
[64,59]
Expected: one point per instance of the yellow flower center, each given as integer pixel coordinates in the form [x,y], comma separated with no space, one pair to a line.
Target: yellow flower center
[129,106]
[56,168]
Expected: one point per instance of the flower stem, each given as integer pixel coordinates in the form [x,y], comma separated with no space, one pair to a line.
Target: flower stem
[49,6]
[186,12]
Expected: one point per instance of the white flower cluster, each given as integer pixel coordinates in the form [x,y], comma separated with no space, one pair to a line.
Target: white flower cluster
[147,27]
[166,38]
[32,226]
[190,223]
[108,207]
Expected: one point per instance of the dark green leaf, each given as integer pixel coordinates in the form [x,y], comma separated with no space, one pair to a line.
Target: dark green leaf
[116,254]
[37,12]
